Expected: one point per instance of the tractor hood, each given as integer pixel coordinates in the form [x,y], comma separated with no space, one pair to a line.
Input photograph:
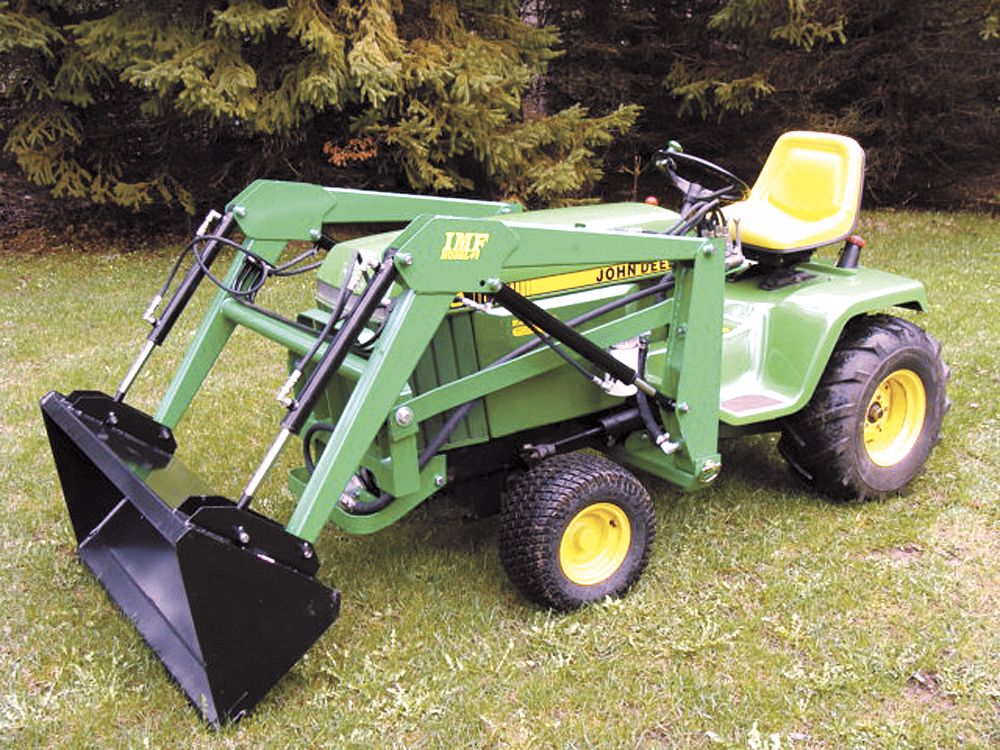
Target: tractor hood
[639,217]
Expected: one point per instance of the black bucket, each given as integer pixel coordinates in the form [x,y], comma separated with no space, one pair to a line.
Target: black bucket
[227,598]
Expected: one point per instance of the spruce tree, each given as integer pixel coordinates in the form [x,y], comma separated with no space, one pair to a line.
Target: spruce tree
[915,82]
[141,103]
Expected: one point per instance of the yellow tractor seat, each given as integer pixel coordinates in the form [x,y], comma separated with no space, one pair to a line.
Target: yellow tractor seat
[807,195]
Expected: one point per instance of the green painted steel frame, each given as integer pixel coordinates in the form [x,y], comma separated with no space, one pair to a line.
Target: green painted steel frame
[271,214]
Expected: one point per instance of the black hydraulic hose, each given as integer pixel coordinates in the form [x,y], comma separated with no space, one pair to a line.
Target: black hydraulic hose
[338,349]
[642,401]
[459,413]
[338,310]
[307,442]
[265,270]
[684,225]
[252,259]
[189,284]
[547,340]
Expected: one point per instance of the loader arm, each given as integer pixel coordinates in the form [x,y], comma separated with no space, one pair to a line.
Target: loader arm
[272,213]
[436,256]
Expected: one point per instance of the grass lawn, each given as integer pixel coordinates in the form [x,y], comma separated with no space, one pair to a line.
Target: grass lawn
[767,618]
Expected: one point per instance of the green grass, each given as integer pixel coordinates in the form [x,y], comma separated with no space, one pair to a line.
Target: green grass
[767,617]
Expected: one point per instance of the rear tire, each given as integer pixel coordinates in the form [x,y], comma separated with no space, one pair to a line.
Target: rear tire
[876,413]
[575,529]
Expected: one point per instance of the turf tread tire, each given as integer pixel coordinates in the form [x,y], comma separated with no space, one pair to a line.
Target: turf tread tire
[540,504]
[823,443]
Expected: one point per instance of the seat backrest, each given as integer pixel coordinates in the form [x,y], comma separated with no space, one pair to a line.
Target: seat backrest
[813,176]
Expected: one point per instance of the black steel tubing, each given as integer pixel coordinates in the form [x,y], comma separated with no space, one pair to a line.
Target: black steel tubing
[339,347]
[182,295]
[528,311]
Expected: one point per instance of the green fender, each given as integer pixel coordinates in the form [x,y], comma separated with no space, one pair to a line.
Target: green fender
[776,343]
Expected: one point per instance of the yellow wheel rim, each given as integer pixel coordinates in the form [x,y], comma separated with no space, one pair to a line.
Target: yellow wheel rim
[594,544]
[895,417]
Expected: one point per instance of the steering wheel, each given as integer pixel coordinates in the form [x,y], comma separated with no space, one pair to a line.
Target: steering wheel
[732,188]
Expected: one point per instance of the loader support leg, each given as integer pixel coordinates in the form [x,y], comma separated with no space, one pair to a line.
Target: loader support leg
[407,334]
[692,371]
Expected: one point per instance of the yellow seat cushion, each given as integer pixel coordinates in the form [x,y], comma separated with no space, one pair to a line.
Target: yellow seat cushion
[807,195]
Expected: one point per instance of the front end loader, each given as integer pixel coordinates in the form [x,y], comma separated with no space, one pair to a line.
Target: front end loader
[481,348]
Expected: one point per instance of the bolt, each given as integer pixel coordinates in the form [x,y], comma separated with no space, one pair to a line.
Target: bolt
[683,407]
[438,480]
[112,418]
[708,248]
[242,535]
[709,471]
[491,285]
[240,211]
[164,434]
[307,550]
[315,234]
[404,416]
[404,259]
[682,331]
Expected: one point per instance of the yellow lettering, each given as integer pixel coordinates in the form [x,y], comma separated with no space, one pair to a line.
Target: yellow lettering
[479,241]
[463,245]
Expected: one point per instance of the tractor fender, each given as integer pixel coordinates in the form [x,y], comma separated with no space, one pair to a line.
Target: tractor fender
[776,343]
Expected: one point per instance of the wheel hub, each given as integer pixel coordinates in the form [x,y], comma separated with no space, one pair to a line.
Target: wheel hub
[894,418]
[594,544]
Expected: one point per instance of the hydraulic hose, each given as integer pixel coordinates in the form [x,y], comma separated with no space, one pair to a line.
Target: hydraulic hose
[642,401]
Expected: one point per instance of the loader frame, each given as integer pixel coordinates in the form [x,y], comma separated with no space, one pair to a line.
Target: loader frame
[430,271]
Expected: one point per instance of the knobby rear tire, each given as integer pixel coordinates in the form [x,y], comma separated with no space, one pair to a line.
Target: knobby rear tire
[825,442]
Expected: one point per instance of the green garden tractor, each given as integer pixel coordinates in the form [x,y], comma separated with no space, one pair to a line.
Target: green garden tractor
[520,358]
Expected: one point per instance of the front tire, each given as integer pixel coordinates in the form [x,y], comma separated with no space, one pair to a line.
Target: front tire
[575,529]
[876,413]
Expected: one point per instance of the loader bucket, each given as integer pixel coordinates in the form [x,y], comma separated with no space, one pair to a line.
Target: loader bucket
[226,597]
